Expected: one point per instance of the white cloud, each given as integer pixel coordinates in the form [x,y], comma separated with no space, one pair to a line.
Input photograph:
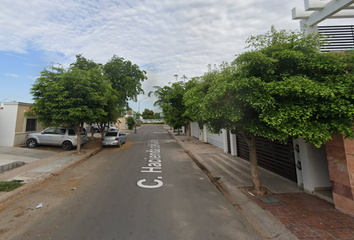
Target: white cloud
[136,30]
[164,37]
[11,75]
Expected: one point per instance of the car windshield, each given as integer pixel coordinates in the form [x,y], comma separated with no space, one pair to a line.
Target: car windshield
[49,131]
[111,134]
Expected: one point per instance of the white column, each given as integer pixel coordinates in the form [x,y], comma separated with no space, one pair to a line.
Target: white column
[224,140]
[312,167]
[8,119]
[298,160]
[233,144]
[205,134]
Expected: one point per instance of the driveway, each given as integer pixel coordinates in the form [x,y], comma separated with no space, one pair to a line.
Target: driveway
[14,154]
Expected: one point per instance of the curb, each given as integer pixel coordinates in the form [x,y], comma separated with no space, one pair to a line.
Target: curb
[261,220]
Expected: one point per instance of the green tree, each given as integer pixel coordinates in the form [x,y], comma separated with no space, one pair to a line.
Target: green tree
[69,97]
[130,123]
[137,115]
[157,116]
[126,79]
[282,88]
[170,100]
[85,64]
[112,112]
[148,114]
[193,98]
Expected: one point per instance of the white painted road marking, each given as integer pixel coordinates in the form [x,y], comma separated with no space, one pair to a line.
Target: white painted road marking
[159,183]
[154,164]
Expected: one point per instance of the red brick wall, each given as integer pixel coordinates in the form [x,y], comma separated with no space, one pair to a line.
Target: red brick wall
[340,156]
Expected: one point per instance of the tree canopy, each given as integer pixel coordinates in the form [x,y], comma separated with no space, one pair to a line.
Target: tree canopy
[282,88]
[148,114]
[86,92]
[170,100]
[126,79]
[69,97]
[295,90]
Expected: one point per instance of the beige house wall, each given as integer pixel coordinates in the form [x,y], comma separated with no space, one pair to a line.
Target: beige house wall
[121,123]
[21,121]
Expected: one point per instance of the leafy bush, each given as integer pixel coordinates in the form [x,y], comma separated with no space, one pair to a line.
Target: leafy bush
[130,122]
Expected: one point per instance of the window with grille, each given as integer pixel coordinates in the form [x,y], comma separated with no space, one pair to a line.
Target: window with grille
[31,125]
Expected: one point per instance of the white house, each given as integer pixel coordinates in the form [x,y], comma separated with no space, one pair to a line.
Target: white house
[14,125]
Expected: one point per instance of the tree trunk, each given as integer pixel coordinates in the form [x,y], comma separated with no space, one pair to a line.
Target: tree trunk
[103,127]
[92,132]
[78,130]
[251,142]
[79,142]
[187,126]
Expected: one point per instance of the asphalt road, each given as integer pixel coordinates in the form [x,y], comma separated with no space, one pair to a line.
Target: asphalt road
[148,189]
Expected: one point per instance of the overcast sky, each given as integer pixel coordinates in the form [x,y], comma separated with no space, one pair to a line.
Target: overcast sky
[163,37]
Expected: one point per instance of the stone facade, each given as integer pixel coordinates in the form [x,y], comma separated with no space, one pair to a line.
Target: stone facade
[340,156]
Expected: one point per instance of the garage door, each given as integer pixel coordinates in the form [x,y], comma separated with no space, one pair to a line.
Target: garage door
[272,155]
[216,139]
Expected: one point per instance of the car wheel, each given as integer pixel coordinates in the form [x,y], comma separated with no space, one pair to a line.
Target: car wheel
[120,144]
[31,143]
[96,130]
[67,146]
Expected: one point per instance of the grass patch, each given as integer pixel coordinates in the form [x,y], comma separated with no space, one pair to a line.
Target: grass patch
[9,186]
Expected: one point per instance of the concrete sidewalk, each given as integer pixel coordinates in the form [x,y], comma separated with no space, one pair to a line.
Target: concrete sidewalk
[287,213]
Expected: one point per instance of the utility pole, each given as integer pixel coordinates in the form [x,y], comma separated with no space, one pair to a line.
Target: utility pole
[139,104]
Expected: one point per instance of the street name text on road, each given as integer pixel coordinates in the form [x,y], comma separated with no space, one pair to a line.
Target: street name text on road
[154,164]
